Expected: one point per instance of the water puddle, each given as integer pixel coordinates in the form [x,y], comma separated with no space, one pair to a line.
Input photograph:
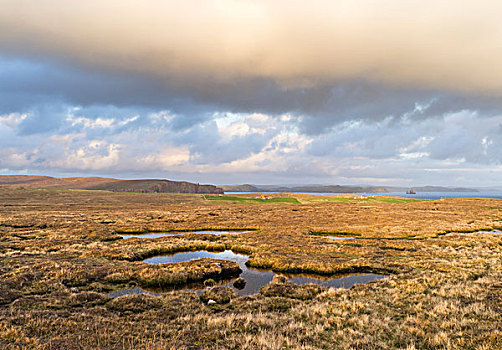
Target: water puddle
[342,282]
[494,231]
[171,233]
[339,237]
[131,291]
[255,278]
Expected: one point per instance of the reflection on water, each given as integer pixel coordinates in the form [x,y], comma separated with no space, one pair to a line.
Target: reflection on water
[342,282]
[168,234]
[494,231]
[199,254]
[255,278]
[340,237]
[131,291]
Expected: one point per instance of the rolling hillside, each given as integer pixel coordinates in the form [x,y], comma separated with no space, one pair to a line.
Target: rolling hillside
[107,184]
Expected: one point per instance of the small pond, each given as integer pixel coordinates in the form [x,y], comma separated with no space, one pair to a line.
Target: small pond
[494,231]
[169,234]
[131,291]
[255,278]
[339,237]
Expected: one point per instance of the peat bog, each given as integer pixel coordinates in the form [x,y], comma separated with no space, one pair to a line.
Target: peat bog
[257,278]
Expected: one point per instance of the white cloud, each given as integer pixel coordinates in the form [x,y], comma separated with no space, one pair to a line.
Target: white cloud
[96,155]
[246,147]
[12,158]
[103,123]
[12,120]
[167,159]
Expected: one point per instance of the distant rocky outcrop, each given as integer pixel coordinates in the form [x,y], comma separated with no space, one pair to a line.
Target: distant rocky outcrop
[158,186]
[107,184]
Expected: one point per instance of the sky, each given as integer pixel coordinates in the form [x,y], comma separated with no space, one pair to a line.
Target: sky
[380,92]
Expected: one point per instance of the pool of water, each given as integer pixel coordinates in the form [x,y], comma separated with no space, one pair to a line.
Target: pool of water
[341,282]
[339,237]
[169,234]
[493,231]
[131,291]
[257,278]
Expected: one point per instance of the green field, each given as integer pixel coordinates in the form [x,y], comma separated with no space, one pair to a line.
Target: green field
[251,200]
[317,199]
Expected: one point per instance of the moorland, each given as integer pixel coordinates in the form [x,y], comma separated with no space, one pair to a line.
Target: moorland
[62,259]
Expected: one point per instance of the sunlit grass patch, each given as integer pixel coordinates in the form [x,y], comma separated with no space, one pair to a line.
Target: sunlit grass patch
[251,200]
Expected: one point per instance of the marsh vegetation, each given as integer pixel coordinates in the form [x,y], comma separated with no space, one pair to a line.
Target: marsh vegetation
[254,279]
[62,263]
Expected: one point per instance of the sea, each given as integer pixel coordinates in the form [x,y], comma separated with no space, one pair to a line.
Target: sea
[419,195]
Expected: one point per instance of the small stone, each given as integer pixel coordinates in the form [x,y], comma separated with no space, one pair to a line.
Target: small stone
[279,279]
[219,294]
[210,302]
[239,283]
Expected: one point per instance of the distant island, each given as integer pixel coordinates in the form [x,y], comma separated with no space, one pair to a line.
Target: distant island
[107,184]
[340,189]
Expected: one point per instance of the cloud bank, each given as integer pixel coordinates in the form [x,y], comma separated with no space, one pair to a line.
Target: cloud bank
[425,44]
[458,148]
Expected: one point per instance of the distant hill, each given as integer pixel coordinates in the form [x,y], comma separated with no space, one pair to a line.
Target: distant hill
[107,184]
[21,179]
[341,189]
[432,189]
[443,189]
[29,181]
[313,189]
[241,188]
[157,186]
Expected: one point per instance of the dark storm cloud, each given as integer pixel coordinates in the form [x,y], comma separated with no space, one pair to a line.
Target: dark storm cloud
[434,45]
[25,82]
[32,86]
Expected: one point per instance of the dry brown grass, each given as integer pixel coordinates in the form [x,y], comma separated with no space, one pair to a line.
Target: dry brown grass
[60,255]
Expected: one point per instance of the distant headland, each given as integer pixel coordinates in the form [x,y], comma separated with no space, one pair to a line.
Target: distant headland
[107,184]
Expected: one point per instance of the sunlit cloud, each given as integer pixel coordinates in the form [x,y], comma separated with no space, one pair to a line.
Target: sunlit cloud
[438,45]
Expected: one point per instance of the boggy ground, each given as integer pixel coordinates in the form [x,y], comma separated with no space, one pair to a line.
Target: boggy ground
[60,256]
